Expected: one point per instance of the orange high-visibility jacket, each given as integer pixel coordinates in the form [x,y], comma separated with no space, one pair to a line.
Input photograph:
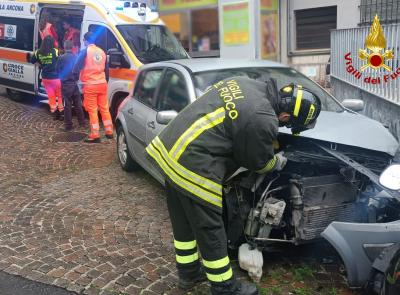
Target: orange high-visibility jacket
[92,65]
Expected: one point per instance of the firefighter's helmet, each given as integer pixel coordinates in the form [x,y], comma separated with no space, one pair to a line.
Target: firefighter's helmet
[302,105]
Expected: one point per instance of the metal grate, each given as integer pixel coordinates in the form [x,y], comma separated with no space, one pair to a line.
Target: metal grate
[68,137]
[387,10]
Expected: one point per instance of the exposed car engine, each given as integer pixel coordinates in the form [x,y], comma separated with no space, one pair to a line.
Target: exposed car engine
[314,189]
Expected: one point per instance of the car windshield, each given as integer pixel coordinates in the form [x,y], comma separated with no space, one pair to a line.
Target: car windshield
[284,76]
[152,43]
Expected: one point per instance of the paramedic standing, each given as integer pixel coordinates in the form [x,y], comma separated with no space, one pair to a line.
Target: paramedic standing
[46,28]
[232,125]
[71,34]
[70,90]
[47,56]
[93,68]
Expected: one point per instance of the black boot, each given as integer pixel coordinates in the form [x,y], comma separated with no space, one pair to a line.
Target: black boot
[188,283]
[61,116]
[56,115]
[233,287]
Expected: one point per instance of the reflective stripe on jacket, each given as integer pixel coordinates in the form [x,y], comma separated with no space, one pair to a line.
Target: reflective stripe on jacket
[93,71]
[47,63]
[230,126]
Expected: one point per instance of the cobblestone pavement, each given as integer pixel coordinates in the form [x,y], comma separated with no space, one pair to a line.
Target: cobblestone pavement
[70,217]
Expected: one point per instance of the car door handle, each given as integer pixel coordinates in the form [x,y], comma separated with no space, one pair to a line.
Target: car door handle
[130,111]
[151,125]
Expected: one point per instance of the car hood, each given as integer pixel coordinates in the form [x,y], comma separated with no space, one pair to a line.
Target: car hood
[351,129]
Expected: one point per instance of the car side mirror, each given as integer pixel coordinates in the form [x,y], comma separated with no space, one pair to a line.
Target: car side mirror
[117,59]
[356,105]
[164,117]
[390,178]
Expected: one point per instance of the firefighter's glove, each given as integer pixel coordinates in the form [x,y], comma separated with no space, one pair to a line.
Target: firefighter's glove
[281,161]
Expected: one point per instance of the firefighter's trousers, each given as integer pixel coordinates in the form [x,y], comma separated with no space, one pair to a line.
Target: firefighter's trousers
[197,225]
[95,99]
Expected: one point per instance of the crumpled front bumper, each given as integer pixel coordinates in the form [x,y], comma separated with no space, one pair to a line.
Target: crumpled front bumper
[359,244]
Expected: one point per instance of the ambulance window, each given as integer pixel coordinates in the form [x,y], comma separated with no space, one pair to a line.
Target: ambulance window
[105,39]
[174,95]
[16,33]
[147,86]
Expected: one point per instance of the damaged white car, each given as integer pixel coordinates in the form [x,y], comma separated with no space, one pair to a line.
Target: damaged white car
[330,186]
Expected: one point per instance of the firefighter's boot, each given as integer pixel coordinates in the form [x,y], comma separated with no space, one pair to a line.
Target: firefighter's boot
[233,287]
[188,282]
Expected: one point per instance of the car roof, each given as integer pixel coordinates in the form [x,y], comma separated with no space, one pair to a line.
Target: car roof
[209,64]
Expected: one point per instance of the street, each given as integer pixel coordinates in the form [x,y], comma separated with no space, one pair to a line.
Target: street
[70,217]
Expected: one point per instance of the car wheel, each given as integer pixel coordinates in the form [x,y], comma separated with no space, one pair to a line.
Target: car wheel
[15,95]
[124,157]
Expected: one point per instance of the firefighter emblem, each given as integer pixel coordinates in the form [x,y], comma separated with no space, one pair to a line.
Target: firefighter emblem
[375,43]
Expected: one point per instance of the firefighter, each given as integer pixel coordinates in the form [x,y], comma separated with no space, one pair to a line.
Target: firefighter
[232,125]
[47,56]
[93,68]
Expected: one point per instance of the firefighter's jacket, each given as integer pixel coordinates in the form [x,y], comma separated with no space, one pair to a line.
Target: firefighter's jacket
[231,125]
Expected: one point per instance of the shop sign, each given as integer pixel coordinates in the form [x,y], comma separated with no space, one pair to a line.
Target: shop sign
[269,25]
[235,22]
[269,4]
[374,56]
[184,4]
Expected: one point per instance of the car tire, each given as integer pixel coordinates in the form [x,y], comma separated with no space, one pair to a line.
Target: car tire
[15,95]
[126,161]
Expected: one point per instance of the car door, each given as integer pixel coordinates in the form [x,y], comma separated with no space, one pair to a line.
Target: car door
[142,105]
[172,95]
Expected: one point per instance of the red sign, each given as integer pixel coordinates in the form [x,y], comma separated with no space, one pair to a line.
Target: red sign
[1,31]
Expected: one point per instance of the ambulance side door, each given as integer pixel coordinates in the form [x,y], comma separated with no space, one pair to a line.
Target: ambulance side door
[17,32]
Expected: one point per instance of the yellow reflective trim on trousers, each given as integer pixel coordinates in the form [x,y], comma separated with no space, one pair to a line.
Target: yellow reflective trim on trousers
[183,183]
[187,258]
[185,245]
[216,263]
[182,171]
[270,165]
[299,97]
[206,122]
[221,277]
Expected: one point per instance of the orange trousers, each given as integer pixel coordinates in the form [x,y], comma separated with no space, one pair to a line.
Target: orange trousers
[95,99]
[53,90]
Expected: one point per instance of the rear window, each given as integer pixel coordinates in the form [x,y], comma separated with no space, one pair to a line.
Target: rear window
[16,33]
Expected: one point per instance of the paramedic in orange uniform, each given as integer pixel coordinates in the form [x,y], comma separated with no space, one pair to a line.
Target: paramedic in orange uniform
[71,34]
[93,68]
[47,29]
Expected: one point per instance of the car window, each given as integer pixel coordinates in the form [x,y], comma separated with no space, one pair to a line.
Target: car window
[283,76]
[173,92]
[147,86]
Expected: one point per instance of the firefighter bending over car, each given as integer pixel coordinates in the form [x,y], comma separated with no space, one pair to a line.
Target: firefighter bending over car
[232,125]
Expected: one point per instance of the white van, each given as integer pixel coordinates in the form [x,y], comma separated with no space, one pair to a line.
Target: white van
[131,32]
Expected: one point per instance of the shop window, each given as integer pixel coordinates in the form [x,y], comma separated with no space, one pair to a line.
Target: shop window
[205,32]
[16,33]
[174,95]
[313,27]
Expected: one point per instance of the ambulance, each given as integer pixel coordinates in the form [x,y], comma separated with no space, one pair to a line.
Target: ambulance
[130,32]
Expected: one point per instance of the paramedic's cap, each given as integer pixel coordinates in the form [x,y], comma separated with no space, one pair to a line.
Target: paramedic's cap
[89,37]
[68,45]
